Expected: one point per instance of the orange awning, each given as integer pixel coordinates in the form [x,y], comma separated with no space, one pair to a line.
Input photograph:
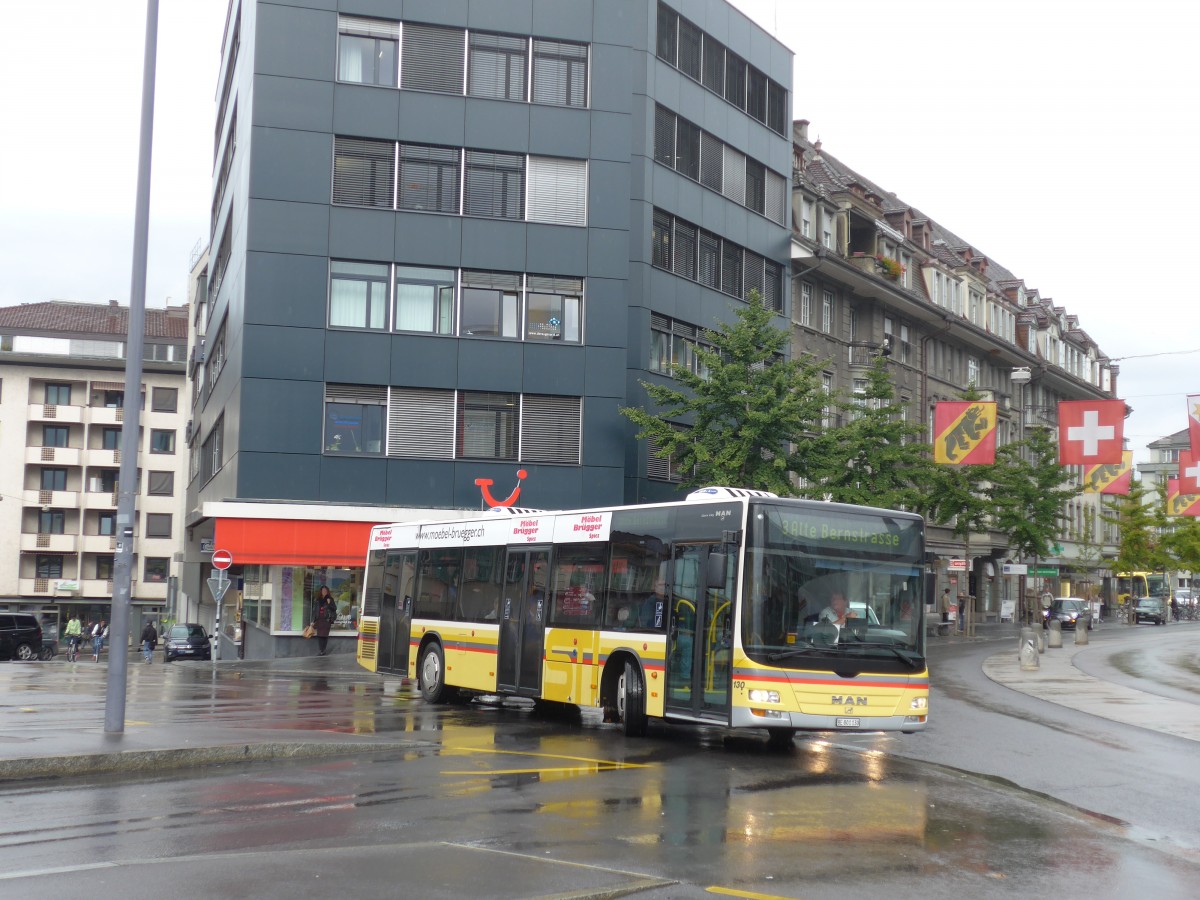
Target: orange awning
[292,542]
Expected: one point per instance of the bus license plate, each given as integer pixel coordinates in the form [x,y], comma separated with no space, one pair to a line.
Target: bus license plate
[848,723]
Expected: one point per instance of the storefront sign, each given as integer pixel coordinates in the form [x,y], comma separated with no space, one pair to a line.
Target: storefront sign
[958,565]
[1016,569]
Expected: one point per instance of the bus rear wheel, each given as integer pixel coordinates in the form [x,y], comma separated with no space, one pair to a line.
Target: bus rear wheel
[631,700]
[431,674]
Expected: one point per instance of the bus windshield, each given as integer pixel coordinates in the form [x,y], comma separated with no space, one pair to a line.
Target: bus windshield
[803,567]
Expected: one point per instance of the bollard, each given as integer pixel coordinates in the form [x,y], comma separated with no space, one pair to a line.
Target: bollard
[1040,635]
[1081,629]
[1028,653]
[1054,634]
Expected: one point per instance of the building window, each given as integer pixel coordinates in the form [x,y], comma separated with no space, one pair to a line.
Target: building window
[104,481]
[756,186]
[827,410]
[709,260]
[664,136]
[972,371]
[735,79]
[553,309]
[158,525]
[164,399]
[668,27]
[49,565]
[104,567]
[560,73]
[354,419]
[661,468]
[358,295]
[731,269]
[52,521]
[421,423]
[364,172]
[58,395]
[155,569]
[432,59]
[490,304]
[660,241]
[827,312]
[495,185]
[684,261]
[367,50]
[557,191]
[53,479]
[110,438]
[424,300]
[429,178]
[828,229]
[211,451]
[162,440]
[550,429]
[673,343]
[160,484]
[496,66]
[55,435]
[806,298]
[487,425]
[712,74]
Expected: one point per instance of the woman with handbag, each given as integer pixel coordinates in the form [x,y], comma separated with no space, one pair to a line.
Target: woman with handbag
[323,618]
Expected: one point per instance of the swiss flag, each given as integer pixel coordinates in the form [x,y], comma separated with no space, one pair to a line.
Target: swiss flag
[1090,432]
[1189,472]
[1193,402]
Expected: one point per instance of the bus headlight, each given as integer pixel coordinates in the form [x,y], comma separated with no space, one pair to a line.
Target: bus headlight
[757,696]
[919,703]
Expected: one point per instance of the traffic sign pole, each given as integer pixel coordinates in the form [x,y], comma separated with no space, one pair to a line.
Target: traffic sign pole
[218,584]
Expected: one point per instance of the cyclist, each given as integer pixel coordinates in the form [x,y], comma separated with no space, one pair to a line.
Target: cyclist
[74,635]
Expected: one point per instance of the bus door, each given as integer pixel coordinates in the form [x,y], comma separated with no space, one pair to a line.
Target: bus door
[395,610]
[699,637]
[522,621]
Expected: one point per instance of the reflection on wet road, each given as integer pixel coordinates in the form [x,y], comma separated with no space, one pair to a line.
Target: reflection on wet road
[486,783]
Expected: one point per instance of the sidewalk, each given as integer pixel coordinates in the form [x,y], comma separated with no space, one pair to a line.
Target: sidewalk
[186,713]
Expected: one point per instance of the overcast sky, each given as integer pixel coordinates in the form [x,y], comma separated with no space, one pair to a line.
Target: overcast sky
[1054,137]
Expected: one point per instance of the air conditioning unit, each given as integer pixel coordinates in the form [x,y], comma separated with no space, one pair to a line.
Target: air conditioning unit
[197,356]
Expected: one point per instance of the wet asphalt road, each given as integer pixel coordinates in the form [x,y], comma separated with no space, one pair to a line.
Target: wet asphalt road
[497,802]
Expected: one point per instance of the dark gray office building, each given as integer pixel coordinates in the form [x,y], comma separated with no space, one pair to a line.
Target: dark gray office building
[449,240]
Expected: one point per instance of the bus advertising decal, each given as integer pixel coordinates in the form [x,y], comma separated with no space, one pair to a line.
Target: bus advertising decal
[582,528]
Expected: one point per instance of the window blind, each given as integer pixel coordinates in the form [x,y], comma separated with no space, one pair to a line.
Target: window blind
[421,423]
[550,429]
[432,59]
[557,191]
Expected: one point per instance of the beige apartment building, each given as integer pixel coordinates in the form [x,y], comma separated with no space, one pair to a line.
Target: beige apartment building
[62,386]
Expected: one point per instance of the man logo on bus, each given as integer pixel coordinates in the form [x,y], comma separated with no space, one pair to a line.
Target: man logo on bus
[484,485]
[837,700]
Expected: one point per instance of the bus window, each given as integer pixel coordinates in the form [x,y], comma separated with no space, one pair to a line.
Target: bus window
[577,585]
[437,583]
[639,564]
[479,599]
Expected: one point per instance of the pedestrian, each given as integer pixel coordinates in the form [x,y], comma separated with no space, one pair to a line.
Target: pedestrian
[944,604]
[149,641]
[97,635]
[323,618]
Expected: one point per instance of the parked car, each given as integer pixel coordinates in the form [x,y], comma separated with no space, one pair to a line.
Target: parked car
[1150,609]
[1185,597]
[186,640]
[20,636]
[1067,611]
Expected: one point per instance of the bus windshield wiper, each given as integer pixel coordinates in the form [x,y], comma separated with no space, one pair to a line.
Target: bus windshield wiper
[802,651]
[913,660]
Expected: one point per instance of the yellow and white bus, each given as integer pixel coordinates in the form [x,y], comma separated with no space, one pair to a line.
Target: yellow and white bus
[1136,585]
[713,610]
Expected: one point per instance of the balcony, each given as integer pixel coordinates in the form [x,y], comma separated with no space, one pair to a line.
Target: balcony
[49,587]
[149,590]
[97,456]
[57,499]
[49,543]
[106,415]
[59,456]
[101,499]
[97,587]
[52,412]
[98,543]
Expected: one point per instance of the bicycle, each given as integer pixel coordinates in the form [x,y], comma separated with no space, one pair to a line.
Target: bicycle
[72,648]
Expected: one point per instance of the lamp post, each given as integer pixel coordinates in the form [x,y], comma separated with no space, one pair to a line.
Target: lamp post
[1021,377]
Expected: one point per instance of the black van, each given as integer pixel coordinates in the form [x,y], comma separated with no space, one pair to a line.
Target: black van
[20,636]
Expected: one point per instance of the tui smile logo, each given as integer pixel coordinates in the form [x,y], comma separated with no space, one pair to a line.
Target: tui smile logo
[485,484]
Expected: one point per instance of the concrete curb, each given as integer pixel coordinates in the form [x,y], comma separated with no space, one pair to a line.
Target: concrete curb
[168,759]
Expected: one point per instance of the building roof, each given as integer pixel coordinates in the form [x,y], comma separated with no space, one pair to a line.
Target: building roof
[62,316]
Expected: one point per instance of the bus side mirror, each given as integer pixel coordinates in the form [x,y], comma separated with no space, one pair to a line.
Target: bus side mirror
[718,567]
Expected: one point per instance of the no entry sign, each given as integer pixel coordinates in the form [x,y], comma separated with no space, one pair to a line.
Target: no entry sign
[222,559]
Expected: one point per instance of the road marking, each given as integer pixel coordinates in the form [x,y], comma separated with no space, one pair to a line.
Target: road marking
[749,895]
[61,870]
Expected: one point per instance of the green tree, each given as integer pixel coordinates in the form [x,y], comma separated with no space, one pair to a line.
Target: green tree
[749,411]
[1138,540]
[1027,491]
[876,458]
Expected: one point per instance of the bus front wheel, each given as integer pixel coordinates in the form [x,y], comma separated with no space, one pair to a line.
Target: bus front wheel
[432,674]
[631,700]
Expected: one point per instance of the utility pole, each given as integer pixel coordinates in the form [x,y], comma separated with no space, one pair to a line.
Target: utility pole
[118,627]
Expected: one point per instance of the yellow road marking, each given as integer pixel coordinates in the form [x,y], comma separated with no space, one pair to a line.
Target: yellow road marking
[749,895]
[544,769]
